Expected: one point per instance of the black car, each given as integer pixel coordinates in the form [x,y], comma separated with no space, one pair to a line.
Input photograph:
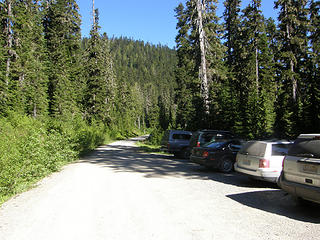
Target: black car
[217,155]
[176,142]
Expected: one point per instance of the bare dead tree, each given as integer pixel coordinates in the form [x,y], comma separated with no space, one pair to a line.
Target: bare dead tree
[200,8]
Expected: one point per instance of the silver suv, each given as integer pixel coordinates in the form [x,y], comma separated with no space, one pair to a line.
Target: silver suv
[262,160]
[301,169]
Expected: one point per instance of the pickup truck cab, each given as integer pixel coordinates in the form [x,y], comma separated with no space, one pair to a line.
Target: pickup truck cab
[301,169]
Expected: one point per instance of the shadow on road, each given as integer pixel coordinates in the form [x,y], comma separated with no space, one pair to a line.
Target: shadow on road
[131,159]
[278,202]
[272,199]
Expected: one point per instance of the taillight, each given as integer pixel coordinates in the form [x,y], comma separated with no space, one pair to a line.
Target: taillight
[283,162]
[264,163]
[198,144]
[205,154]
[168,145]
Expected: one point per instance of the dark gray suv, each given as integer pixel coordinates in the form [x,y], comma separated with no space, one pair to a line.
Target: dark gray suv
[176,142]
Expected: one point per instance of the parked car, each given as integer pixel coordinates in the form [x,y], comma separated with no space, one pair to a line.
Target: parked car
[202,137]
[301,169]
[217,155]
[262,159]
[176,142]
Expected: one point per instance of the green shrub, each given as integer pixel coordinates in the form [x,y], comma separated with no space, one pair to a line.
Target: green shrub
[156,136]
[31,149]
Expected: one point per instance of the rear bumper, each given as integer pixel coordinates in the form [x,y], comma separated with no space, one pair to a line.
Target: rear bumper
[170,150]
[269,175]
[304,191]
[204,161]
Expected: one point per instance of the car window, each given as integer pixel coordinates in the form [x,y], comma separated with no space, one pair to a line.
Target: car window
[254,149]
[305,148]
[207,137]
[280,149]
[181,136]
[235,145]
[214,137]
[214,145]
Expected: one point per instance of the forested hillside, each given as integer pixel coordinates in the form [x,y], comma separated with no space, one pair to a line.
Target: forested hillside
[147,80]
[246,73]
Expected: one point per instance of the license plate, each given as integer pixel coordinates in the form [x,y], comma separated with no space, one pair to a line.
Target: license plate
[309,168]
[246,162]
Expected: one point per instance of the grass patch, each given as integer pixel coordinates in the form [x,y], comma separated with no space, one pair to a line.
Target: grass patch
[150,148]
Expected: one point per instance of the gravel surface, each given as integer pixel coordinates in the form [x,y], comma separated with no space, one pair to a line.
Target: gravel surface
[120,193]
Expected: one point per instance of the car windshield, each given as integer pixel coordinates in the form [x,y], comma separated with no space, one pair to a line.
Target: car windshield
[214,145]
[306,147]
[280,149]
[181,136]
[254,148]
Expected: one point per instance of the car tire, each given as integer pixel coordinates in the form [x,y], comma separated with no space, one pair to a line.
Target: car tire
[226,165]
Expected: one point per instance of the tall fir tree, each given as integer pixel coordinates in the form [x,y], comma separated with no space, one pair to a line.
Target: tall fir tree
[6,52]
[257,75]
[293,26]
[100,80]
[62,32]
[231,90]
[28,73]
[312,97]
[186,76]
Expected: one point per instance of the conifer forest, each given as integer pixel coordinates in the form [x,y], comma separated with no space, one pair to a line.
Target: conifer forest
[62,94]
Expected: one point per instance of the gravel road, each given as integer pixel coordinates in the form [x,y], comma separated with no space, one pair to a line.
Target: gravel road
[120,193]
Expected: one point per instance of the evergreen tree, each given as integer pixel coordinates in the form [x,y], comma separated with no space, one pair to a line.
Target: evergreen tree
[186,76]
[293,25]
[62,32]
[100,80]
[6,52]
[257,75]
[231,92]
[312,97]
[28,74]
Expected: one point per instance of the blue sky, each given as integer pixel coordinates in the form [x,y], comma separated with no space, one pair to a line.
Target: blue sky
[148,20]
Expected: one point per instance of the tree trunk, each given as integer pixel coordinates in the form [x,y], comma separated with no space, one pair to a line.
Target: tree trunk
[293,80]
[203,66]
[9,40]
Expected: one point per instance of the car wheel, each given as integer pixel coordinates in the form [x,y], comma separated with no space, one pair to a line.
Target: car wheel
[226,165]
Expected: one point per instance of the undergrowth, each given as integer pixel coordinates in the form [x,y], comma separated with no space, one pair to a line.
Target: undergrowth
[31,149]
